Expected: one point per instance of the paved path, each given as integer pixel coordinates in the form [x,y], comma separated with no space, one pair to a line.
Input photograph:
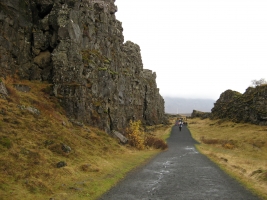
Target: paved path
[180,173]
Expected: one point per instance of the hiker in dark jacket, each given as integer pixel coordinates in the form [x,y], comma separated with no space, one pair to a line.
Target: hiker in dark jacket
[180,125]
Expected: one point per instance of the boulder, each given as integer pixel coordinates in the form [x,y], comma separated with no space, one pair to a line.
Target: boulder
[65,148]
[33,110]
[121,137]
[61,164]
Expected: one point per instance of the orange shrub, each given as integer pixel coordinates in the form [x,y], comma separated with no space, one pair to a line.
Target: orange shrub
[136,135]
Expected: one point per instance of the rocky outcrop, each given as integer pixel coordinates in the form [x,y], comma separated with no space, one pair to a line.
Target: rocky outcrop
[200,114]
[79,47]
[249,107]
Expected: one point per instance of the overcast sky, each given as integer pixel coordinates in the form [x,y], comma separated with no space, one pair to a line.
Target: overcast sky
[199,48]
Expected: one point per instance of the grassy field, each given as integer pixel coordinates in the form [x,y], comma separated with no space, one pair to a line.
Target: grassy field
[239,149]
[33,132]
[34,127]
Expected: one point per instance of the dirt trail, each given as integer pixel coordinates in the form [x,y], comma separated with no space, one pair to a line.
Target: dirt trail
[180,173]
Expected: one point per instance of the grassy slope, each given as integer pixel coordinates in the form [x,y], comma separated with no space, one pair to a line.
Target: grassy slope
[30,148]
[239,149]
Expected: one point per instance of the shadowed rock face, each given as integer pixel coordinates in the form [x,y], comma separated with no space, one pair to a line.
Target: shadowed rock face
[249,107]
[78,46]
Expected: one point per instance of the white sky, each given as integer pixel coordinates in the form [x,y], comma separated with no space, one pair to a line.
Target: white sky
[199,48]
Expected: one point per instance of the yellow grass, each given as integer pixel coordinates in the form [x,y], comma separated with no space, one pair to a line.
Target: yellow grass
[31,146]
[240,149]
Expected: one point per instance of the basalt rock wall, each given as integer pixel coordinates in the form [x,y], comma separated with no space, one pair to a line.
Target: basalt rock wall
[79,47]
[250,107]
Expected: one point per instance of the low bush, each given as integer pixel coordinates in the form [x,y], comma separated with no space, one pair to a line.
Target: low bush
[156,143]
[139,139]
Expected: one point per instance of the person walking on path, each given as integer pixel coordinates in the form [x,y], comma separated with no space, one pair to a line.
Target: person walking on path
[180,125]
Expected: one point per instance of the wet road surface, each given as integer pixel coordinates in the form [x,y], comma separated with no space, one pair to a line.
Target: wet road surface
[180,173]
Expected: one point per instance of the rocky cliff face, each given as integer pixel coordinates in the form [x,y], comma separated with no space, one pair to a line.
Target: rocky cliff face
[248,107]
[78,46]
[200,114]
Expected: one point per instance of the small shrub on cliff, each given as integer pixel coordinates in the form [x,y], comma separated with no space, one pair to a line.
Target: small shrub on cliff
[260,82]
[136,135]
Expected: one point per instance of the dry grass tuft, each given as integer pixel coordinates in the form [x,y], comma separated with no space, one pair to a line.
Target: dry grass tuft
[85,167]
[12,94]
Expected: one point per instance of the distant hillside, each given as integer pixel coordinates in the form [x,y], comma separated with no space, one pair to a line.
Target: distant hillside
[181,105]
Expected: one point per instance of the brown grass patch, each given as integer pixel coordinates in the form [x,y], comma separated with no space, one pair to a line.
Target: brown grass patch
[156,143]
[238,148]
[227,144]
